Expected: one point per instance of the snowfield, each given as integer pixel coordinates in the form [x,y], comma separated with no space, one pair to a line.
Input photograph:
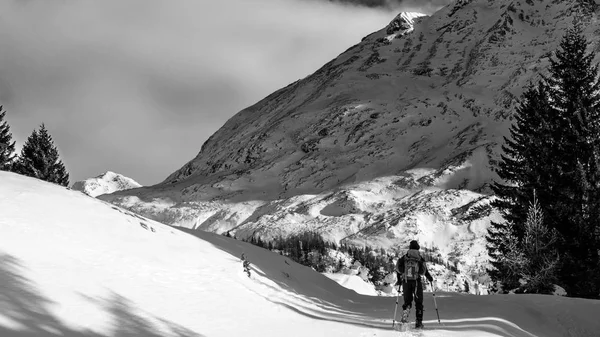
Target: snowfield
[353,282]
[71,265]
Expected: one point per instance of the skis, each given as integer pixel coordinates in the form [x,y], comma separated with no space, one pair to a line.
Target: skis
[408,329]
[406,326]
[403,327]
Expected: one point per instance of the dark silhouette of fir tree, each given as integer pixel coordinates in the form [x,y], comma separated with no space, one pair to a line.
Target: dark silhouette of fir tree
[39,159]
[576,97]
[7,146]
[522,170]
[554,149]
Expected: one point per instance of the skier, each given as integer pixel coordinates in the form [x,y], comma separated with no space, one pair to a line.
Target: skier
[246,264]
[409,268]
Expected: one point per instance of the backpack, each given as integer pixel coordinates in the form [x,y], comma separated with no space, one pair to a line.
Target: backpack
[411,268]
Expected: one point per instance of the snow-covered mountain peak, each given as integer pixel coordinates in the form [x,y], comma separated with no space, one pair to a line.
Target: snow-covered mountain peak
[393,139]
[107,182]
[422,99]
[107,174]
[402,24]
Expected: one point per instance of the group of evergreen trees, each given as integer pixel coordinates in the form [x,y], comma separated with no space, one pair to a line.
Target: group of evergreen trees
[39,157]
[310,249]
[307,248]
[550,197]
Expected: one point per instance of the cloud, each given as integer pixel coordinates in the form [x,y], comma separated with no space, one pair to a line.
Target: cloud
[136,86]
[423,6]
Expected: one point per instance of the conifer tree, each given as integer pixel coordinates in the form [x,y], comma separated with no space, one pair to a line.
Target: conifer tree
[575,96]
[554,149]
[539,272]
[7,146]
[533,259]
[39,159]
[522,169]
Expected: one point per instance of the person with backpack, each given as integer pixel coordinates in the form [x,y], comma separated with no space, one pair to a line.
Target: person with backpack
[409,268]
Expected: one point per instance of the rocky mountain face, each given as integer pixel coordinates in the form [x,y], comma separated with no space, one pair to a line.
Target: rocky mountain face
[394,139]
[105,183]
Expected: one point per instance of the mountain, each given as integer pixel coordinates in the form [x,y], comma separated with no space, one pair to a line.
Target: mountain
[395,139]
[75,266]
[396,3]
[105,183]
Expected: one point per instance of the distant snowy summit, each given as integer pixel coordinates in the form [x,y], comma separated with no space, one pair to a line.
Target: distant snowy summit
[106,183]
[402,24]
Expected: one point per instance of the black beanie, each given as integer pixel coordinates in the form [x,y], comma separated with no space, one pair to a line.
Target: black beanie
[414,245]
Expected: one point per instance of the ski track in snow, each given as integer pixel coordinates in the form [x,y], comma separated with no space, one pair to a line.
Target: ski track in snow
[75,266]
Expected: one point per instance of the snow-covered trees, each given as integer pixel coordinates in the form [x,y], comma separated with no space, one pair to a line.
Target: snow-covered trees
[539,269]
[39,159]
[554,149]
[7,146]
[532,260]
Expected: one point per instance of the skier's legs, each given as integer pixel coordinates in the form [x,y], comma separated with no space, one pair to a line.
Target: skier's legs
[419,300]
[408,294]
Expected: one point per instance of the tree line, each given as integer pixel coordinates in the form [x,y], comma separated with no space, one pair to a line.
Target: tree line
[311,250]
[39,156]
[550,190]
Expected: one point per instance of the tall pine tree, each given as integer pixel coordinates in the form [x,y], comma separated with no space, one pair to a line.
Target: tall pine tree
[523,170]
[554,149]
[575,97]
[7,146]
[39,159]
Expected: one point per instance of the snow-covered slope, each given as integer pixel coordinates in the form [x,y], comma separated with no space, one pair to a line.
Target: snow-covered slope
[353,282]
[431,97]
[75,266]
[105,183]
[393,140]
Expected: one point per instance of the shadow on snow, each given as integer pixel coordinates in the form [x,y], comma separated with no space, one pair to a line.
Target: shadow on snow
[24,312]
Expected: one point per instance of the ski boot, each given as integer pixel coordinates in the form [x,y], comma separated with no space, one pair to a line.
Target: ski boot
[405,314]
[419,317]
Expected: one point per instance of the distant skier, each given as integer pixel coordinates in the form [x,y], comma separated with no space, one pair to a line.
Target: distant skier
[410,267]
[246,264]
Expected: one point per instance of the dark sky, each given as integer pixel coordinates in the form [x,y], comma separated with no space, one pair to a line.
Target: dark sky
[136,86]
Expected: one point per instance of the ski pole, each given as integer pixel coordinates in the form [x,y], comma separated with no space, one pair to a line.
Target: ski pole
[410,304]
[396,308]
[435,302]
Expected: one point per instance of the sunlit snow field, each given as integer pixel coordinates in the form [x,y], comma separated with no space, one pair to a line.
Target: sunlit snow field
[72,265]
